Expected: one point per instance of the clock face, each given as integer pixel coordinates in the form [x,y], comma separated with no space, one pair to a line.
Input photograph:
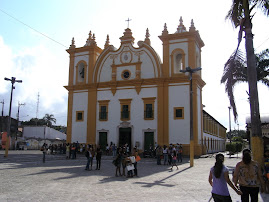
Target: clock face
[126,74]
[126,57]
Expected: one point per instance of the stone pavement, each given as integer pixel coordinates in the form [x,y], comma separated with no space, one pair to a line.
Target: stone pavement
[25,178]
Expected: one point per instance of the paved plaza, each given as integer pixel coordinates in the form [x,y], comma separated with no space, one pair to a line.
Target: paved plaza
[24,177]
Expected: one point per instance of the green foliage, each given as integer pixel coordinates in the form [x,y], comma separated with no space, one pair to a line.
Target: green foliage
[234,147]
[236,133]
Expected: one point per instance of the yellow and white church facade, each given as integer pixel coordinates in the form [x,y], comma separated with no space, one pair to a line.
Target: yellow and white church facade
[129,95]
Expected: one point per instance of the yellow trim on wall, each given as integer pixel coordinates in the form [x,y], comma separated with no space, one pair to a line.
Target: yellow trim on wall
[91,121]
[69,117]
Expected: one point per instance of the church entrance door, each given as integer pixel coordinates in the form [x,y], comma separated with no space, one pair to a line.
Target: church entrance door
[103,140]
[125,136]
[149,141]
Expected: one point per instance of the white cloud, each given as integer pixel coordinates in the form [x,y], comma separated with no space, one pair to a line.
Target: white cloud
[42,72]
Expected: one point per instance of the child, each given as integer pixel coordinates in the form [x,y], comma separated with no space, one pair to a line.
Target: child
[174,159]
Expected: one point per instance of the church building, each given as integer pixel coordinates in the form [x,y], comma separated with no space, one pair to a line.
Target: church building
[129,95]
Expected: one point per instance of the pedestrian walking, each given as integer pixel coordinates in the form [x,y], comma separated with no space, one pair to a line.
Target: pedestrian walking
[179,153]
[218,179]
[174,159]
[98,158]
[249,177]
[117,162]
[44,150]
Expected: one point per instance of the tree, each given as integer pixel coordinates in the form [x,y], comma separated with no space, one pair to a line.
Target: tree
[235,71]
[49,118]
[240,15]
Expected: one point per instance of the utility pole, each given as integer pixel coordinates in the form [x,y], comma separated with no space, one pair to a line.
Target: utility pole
[3,103]
[190,71]
[19,105]
[12,80]
[230,133]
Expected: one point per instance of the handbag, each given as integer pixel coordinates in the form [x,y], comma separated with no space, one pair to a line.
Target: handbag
[137,158]
[130,167]
[132,158]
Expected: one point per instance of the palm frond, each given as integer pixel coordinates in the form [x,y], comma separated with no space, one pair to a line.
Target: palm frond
[235,14]
[263,5]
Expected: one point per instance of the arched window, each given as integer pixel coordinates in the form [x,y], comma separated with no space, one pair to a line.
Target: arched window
[178,63]
[81,70]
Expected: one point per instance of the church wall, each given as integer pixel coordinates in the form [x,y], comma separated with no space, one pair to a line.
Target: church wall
[137,122]
[106,70]
[199,114]
[179,129]
[79,128]
[148,67]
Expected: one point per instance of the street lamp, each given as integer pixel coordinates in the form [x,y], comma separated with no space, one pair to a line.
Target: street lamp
[12,80]
[190,71]
[230,133]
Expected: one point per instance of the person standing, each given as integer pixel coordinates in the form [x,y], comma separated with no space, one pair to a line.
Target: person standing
[165,155]
[67,153]
[98,158]
[44,150]
[218,179]
[249,177]
[159,153]
[179,154]
[117,161]
[135,154]
[87,154]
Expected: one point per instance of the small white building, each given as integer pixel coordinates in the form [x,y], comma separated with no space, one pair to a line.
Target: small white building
[42,132]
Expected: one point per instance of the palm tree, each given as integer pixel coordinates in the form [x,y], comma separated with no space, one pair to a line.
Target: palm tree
[235,71]
[240,15]
[49,118]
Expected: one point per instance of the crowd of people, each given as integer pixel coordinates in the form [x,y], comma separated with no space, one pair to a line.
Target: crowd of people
[248,178]
[126,161]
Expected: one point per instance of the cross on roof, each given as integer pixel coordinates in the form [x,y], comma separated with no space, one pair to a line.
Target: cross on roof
[128,22]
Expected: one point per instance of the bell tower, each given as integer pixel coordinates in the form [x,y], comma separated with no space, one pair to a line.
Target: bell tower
[181,49]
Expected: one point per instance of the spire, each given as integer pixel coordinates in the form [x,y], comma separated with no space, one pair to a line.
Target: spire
[127,36]
[93,42]
[192,28]
[88,42]
[107,41]
[72,44]
[181,28]
[147,40]
[165,30]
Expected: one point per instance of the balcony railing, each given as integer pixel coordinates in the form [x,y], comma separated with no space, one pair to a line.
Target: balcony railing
[125,115]
[149,114]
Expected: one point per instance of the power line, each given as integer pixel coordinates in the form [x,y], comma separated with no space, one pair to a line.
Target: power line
[262,43]
[32,28]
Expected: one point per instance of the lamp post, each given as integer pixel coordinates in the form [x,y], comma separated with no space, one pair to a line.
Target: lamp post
[230,133]
[12,80]
[190,71]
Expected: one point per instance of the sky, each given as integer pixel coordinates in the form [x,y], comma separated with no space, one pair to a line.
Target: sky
[35,34]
